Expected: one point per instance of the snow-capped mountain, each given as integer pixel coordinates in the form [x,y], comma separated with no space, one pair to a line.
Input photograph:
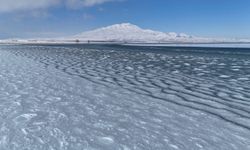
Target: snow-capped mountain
[127,32]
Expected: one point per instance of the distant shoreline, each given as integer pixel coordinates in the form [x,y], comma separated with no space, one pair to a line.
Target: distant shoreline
[106,42]
[167,44]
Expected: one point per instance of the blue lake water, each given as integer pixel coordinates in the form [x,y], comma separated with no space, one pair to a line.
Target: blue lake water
[76,97]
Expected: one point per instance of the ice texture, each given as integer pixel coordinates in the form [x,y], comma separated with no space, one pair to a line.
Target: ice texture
[98,97]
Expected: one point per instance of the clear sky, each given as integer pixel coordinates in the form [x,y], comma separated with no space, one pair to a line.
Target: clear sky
[53,18]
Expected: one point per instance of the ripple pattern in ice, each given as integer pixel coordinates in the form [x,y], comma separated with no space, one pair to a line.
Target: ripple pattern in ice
[113,98]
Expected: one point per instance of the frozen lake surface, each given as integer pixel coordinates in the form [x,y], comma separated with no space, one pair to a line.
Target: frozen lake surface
[95,97]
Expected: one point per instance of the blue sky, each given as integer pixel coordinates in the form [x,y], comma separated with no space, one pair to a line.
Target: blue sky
[55,18]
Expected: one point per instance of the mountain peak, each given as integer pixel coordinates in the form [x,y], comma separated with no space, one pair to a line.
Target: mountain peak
[130,33]
[122,26]
[125,25]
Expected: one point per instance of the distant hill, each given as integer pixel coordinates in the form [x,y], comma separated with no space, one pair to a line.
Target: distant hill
[127,33]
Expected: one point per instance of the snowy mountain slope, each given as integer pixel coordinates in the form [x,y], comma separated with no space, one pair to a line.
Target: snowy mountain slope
[131,33]
[127,32]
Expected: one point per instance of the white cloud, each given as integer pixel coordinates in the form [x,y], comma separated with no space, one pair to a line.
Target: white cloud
[94,2]
[26,5]
[86,3]
[17,5]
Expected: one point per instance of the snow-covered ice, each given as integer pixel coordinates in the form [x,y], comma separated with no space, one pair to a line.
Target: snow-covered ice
[123,97]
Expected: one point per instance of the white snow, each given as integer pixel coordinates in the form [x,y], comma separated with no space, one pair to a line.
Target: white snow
[72,98]
[129,33]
